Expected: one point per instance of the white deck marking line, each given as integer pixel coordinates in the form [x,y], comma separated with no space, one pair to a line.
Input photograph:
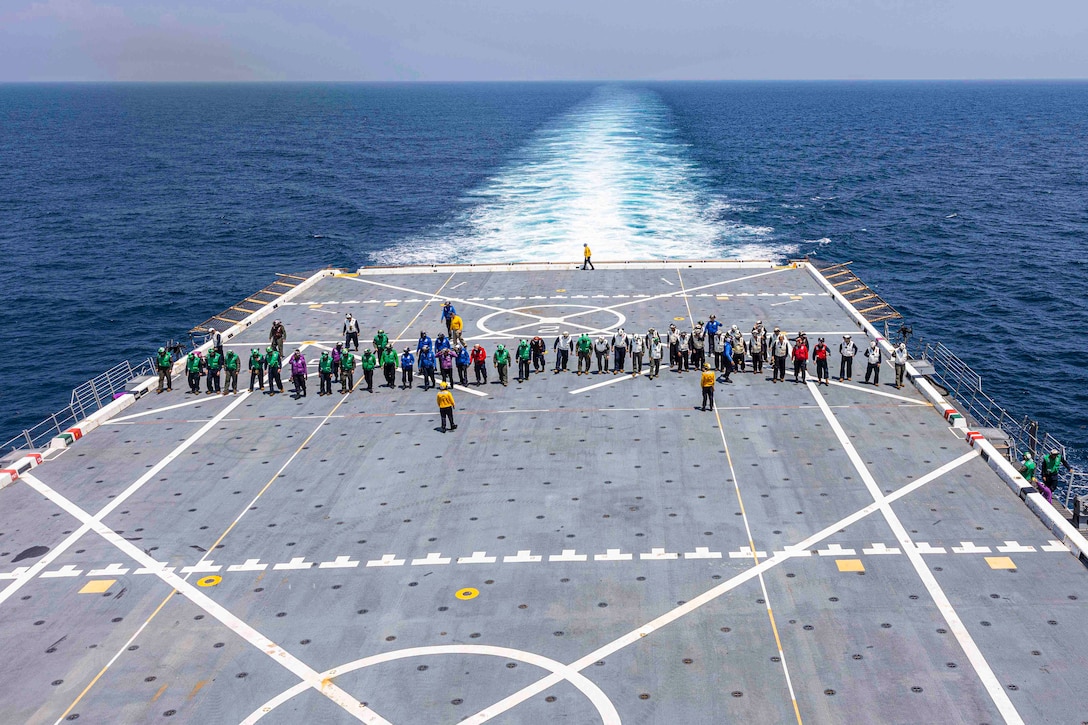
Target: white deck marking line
[636,635]
[694,289]
[955,624]
[435,296]
[755,554]
[213,608]
[459,284]
[875,391]
[64,545]
[667,282]
[776,304]
[470,391]
[615,379]
[123,418]
[605,709]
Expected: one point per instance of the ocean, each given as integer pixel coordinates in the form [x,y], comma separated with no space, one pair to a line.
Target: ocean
[131,212]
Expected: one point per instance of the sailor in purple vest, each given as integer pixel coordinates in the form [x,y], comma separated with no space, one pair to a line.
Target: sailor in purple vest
[298,373]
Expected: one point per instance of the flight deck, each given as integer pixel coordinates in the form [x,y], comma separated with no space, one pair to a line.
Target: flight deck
[583,548]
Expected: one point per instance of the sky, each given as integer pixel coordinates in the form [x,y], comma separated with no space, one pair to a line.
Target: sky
[496,40]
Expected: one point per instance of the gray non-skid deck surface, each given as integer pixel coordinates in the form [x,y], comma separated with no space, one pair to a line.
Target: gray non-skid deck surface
[345,527]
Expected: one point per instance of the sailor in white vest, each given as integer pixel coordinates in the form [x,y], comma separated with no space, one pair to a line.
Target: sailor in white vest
[847,351]
[873,354]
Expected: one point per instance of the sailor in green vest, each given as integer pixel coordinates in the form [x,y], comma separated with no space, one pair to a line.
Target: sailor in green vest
[347,371]
[389,366]
[1052,463]
[256,368]
[232,364]
[165,365]
[324,374]
[275,364]
[368,364]
[214,363]
[523,356]
[380,341]
[502,363]
[193,365]
[584,348]
[1027,467]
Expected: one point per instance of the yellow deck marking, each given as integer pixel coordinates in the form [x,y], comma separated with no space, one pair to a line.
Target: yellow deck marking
[316,307]
[346,274]
[196,689]
[679,319]
[99,586]
[723,298]
[850,565]
[560,290]
[796,297]
[467,593]
[1000,562]
[159,693]
[209,581]
[390,304]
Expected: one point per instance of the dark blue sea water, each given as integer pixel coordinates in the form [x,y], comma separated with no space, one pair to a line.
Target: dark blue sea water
[128,213]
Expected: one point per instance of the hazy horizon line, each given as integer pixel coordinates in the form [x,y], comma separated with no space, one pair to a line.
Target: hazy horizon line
[1041,79]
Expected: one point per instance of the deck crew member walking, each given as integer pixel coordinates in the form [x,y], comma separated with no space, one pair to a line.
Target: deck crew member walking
[538,347]
[368,362]
[586,257]
[351,331]
[900,361]
[706,381]
[502,364]
[638,346]
[873,353]
[847,351]
[524,354]
[165,365]
[448,313]
[445,405]
[389,366]
[277,335]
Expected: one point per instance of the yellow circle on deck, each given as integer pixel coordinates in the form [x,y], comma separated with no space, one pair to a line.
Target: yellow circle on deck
[679,318]
[209,581]
[467,593]
[561,290]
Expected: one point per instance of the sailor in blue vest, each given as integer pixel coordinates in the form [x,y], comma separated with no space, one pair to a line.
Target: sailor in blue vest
[448,311]
[407,362]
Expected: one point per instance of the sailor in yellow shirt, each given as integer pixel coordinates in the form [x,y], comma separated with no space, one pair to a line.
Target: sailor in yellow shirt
[456,325]
[445,405]
[707,382]
[586,253]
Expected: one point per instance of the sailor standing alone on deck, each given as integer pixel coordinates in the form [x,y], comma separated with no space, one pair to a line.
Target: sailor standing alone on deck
[706,382]
[586,254]
[445,405]
[277,335]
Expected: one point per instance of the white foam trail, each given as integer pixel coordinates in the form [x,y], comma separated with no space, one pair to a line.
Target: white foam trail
[611,173]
